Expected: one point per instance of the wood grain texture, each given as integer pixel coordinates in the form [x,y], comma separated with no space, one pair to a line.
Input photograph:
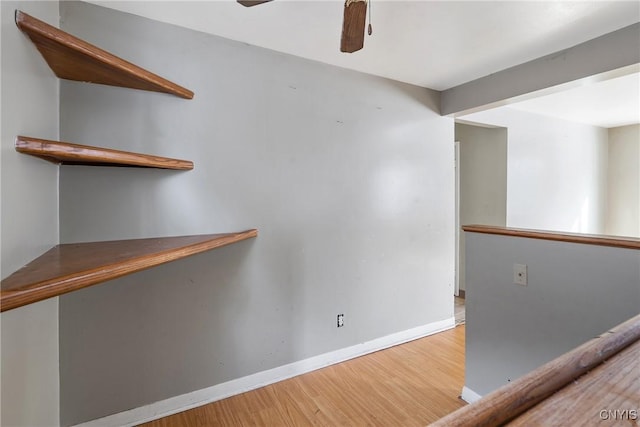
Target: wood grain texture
[73,266]
[612,386]
[412,384]
[74,59]
[355,16]
[76,154]
[513,399]
[589,239]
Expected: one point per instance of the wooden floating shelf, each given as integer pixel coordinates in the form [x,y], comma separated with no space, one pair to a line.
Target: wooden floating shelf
[74,59]
[76,154]
[73,266]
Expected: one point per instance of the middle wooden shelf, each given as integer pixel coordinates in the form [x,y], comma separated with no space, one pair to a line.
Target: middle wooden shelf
[76,154]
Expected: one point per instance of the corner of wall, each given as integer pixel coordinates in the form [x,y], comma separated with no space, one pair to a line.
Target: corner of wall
[29,225]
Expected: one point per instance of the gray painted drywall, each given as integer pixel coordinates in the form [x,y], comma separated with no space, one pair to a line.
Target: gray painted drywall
[601,58]
[556,171]
[483,180]
[574,292]
[348,177]
[29,354]
[623,181]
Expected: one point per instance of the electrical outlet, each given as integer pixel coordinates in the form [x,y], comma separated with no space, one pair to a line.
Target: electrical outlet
[340,320]
[520,274]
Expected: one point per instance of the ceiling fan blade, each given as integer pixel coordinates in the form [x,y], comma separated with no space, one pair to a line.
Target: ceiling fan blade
[355,14]
[249,3]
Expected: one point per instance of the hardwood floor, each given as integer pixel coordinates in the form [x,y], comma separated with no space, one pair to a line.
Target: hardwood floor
[459,310]
[412,384]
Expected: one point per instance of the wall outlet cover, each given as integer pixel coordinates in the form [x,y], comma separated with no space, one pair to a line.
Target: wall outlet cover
[520,274]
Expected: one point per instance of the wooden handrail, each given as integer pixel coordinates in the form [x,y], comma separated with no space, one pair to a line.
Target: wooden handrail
[588,239]
[513,399]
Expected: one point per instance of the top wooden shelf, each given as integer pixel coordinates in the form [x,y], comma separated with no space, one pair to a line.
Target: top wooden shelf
[74,59]
[75,154]
[70,267]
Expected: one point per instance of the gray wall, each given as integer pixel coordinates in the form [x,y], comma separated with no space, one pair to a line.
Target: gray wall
[623,181]
[348,177]
[483,180]
[556,171]
[575,292]
[30,380]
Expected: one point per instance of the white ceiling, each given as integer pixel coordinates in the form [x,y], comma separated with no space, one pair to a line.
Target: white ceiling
[610,103]
[434,44]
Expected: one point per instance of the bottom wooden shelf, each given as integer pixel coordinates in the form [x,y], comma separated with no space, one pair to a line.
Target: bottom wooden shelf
[69,267]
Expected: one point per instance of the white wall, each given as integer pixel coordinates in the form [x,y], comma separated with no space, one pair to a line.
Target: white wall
[623,207]
[483,180]
[574,292]
[348,177]
[30,379]
[557,171]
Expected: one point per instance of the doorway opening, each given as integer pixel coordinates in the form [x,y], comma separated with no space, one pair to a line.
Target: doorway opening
[481,189]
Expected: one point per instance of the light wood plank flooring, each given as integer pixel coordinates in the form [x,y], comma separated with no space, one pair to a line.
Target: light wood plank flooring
[412,384]
[459,310]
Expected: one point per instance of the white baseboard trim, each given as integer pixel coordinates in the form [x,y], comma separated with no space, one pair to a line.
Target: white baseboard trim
[197,398]
[469,395]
